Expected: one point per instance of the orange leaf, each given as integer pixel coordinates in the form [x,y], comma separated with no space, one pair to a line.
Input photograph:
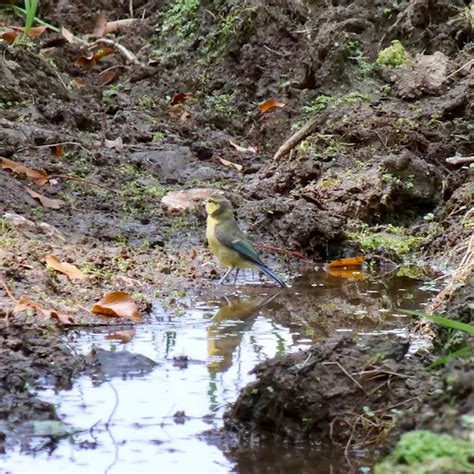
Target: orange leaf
[347,262]
[118,304]
[249,149]
[345,273]
[102,53]
[25,303]
[61,317]
[58,151]
[122,336]
[39,177]
[34,32]
[270,104]
[45,201]
[9,36]
[71,271]
[229,163]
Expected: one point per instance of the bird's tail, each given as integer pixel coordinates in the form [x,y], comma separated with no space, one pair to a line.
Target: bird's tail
[271,275]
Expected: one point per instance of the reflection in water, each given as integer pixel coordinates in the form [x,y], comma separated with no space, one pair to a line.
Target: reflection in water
[217,342]
[227,328]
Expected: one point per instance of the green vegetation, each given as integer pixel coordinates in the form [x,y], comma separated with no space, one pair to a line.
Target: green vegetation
[357,54]
[423,452]
[319,104]
[386,238]
[395,55]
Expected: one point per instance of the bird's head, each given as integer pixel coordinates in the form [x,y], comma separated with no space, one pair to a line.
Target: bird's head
[218,206]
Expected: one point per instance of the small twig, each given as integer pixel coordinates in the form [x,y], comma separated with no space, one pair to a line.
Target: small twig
[7,291]
[380,138]
[129,56]
[283,55]
[82,180]
[458,160]
[56,144]
[280,250]
[345,372]
[468,64]
[303,132]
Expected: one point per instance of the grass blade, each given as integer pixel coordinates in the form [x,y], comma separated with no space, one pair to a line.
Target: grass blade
[449,323]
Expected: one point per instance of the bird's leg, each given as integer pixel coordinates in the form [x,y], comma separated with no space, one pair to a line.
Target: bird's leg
[222,280]
[235,276]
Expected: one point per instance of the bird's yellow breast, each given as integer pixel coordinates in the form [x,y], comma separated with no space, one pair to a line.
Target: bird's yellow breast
[226,255]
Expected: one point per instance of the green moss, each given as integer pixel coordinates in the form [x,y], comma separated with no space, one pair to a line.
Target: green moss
[386,238]
[319,104]
[394,55]
[423,452]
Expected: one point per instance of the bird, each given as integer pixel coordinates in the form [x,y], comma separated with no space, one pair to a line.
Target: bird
[228,243]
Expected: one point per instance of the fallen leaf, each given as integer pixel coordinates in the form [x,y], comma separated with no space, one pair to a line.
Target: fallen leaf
[107,76]
[25,303]
[229,163]
[179,98]
[101,22]
[33,33]
[347,262]
[122,336]
[185,199]
[242,149]
[68,35]
[39,177]
[116,144]
[9,36]
[118,304]
[71,271]
[345,273]
[113,26]
[45,201]
[184,117]
[270,104]
[102,53]
[89,60]
[177,109]
[58,151]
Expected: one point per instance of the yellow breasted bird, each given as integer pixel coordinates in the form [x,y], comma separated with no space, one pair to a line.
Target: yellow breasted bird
[228,243]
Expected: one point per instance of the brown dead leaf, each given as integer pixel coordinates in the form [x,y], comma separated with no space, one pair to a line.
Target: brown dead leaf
[38,176]
[58,151]
[270,104]
[102,53]
[9,36]
[78,82]
[45,201]
[122,336]
[185,199]
[89,60]
[34,32]
[176,110]
[184,117]
[116,144]
[242,149]
[25,303]
[107,76]
[71,271]
[118,304]
[113,26]
[347,262]
[68,35]
[230,163]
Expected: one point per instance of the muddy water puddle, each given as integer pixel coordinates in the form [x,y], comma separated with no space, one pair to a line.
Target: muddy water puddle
[154,398]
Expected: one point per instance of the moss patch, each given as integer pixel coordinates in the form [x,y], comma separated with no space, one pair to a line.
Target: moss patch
[394,55]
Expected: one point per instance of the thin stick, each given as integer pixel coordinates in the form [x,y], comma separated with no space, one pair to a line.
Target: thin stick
[56,144]
[346,372]
[457,160]
[127,53]
[7,291]
[303,132]
[280,250]
[82,180]
[469,63]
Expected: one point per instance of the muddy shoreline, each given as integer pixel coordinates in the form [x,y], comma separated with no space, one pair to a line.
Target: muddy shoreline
[371,177]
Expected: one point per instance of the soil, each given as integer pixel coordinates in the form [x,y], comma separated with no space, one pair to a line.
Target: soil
[375,159]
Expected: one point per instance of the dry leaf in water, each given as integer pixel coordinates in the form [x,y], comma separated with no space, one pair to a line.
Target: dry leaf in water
[45,201]
[38,176]
[122,336]
[118,304]
[71,271]
[270,104]
[185,199]
[230,163]
[249,149]
[347,262]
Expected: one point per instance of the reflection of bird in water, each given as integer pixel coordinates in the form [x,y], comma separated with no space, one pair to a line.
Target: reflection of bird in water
[228,243]
[228,327]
